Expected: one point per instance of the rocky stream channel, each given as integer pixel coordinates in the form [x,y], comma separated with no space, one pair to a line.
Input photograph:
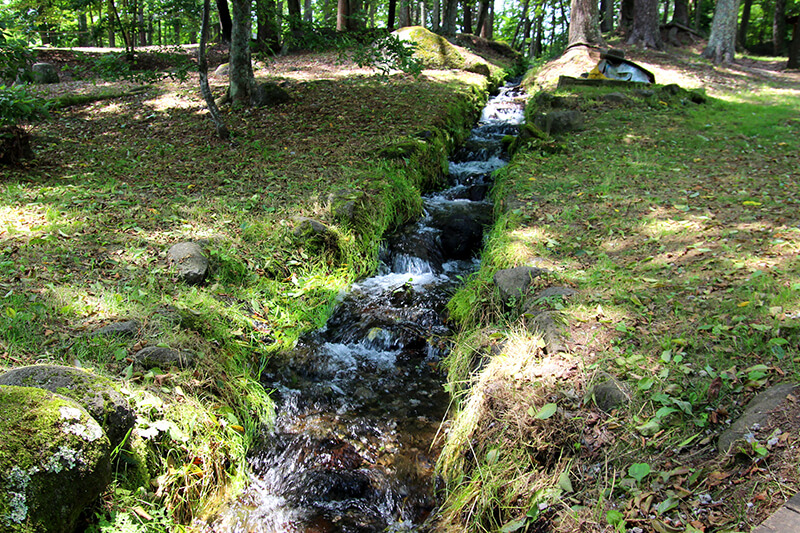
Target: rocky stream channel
[361,403]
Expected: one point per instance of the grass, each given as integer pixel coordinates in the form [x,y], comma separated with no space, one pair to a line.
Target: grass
[118,179]
[676,223]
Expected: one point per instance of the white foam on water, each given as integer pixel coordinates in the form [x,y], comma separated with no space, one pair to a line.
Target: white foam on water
[472,168]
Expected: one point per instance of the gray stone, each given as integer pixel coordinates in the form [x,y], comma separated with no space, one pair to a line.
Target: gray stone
[560,121]
[550,325]
[756,413]
[54,461]
[164,358]
[128,328]
[644,93]
[191,266]
[269,94]
[555,292]
[45,73]
[309,228]
[222,71]
[609,394]
[616,98]
[98,395]
[513,283]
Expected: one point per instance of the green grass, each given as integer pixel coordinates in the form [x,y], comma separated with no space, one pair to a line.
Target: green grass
[676,223]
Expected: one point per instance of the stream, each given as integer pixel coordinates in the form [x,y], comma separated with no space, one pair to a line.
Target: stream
[360,404]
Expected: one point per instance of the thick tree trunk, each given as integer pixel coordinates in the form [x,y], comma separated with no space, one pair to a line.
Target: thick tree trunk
[242,81]
[225,22]
[645,31]
[626,15]
[681,13]
[202,68]
[295,19]
[404,14]
[722,42]
[483,14]
[779,28]
[268,32]
[584,24]
[742,35]
[436,21]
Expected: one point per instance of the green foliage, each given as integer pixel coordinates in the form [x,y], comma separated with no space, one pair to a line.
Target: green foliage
[14,58]
[18,106]
[387,53]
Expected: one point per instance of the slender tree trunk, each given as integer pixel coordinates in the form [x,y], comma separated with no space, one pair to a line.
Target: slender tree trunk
[522,21]
[112,38]
[404,15]
[645,31]
[308,11]
[295,19]
[342,14]
[466,5]
[606,16]
[742,35]
[225,22]
[698,14]
[722,42]
[665,14]
[141,24]
[483,14]
[437,16]
[537,37]
[681,13]
[202,68]
[584,24]
[391,16]
[794,47]
[242,81]
[779,28]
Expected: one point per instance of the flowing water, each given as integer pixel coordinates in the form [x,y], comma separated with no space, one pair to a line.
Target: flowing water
[361,402]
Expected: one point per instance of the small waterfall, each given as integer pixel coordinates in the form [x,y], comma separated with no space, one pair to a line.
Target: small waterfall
[362,400]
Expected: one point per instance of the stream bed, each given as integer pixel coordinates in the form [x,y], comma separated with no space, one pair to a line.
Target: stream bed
[360,404]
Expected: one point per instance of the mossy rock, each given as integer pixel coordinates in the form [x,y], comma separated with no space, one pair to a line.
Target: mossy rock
[96,394]
[54,461]
[437,53]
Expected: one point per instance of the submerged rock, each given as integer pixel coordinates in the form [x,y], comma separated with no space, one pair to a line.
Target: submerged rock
[54,461]
[96,394]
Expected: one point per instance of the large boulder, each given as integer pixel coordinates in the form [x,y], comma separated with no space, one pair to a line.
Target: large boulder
[54,461]
[437,53]
[96,394]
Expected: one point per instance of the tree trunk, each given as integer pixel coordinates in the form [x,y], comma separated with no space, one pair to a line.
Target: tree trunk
[342,14]
[141,24]
[404,15]
[483,14]
[522,20]
[779,28]
[584,24]
[202,68]
[112,38]
[466,5]
[665,13]
[722,42]
[268,30]
[242,81]
[681,13]
[742,35]
[449,17]
[626,15]
[391,16]
[308,11]
[437,16]
[606,16]
[295,19]
[225,22]
[698,14]
[537,37]
[794,47]
[645,31]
